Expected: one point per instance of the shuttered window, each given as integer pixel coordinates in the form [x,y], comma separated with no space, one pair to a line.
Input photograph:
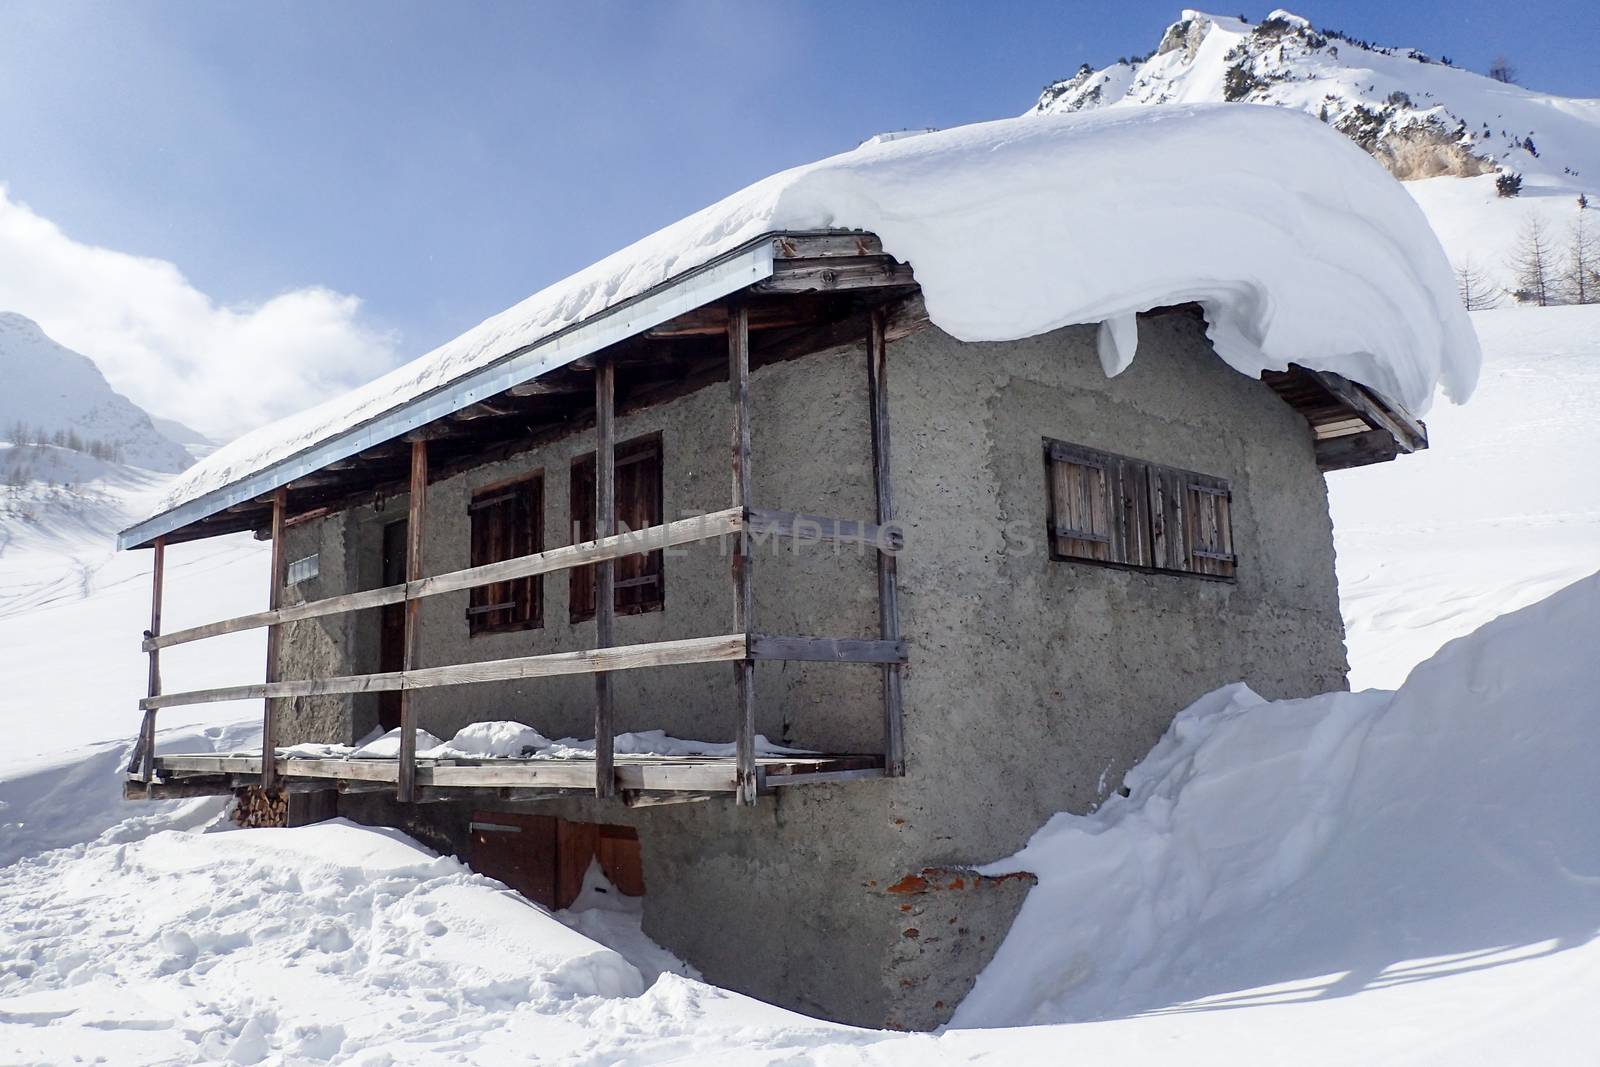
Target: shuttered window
[639,579]
[507,522]
[1116,510]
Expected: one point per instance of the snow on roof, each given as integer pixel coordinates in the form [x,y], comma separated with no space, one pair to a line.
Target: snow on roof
[1297,244]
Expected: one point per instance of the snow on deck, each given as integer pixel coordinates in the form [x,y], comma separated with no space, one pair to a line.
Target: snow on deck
[1297,244]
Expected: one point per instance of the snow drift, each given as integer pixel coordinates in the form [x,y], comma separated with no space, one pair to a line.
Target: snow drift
[1319,847]
[1295,242]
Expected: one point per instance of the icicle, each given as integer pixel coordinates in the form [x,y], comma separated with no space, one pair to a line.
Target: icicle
[1117,340]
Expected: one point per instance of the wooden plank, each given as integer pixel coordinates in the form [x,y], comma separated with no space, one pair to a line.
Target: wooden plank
[668,535]
[829,275]
[1356,450]
[605,594]
[826,649]
[720,649]
[416,516]
[888,580]
[826,245]
[272,705]
[1409,434]
[633,798]
[145,750]
[766,522]
[743,559]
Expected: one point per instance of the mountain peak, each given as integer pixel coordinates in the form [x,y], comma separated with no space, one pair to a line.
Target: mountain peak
[55,396]
[1418,115]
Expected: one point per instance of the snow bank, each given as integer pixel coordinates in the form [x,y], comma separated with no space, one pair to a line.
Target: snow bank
[514,740]
[482,739]
[1318,847]
[313,944]
[1296,243]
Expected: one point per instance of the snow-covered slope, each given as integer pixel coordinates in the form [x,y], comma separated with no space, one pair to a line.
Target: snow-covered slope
[1431,853]
[1500,511]
[1416,115]
[72,609]
[52,390]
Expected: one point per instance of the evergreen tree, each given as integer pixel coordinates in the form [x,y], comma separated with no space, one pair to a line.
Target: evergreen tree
[1501,70]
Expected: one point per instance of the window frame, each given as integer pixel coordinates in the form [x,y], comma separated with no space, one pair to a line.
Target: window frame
[479,616]
[581,500]
[1140,502]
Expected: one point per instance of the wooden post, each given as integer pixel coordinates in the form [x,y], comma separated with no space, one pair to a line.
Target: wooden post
[743,590]
[605,596]
[269,715]
[894,758]
[145,750]
[416,512]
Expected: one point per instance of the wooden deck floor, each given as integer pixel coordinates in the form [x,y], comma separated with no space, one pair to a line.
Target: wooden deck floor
[639,779]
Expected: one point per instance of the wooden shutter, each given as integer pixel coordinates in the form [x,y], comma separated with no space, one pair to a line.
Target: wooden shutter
[1130,517]
[640,579]
[1191,522]
[1081,502]
[1207,503]
[1168,533]
[507,521]
[639,507]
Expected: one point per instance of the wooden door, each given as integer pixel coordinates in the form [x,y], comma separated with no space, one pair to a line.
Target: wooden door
[545,858]
[392,622]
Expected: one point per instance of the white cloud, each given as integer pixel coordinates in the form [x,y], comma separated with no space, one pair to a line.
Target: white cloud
[169,347]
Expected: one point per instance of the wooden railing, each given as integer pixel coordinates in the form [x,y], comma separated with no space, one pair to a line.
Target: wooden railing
[744,647]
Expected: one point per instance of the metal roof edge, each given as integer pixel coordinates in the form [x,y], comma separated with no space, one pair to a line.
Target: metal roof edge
[734,270]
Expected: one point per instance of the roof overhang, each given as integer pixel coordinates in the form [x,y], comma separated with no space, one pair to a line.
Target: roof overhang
[739,269]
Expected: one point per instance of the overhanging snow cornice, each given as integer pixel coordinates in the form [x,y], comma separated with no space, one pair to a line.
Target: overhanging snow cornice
[736,270]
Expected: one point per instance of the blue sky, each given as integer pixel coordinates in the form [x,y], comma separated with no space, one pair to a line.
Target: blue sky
[442,161]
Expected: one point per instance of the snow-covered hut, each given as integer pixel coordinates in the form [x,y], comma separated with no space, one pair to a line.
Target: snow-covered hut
[931,479]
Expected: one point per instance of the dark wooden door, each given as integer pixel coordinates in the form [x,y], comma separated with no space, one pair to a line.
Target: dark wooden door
[545,858]
[392,622]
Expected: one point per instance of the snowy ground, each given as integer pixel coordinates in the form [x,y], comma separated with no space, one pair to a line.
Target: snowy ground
[1501,511]
[1408,878]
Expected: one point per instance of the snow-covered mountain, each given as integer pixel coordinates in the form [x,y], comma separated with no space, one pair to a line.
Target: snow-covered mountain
[59,402]
[1448,133]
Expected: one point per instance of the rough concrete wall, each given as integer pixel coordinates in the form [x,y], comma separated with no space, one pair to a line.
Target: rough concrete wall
[316,648]
[812,453]
[1033,685]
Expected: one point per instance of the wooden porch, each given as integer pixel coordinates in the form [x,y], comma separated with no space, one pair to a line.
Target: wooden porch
[639,781]
[738,529]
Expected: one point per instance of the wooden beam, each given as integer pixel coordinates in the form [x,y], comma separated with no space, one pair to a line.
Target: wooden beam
[1356,450]
[605,593]
[144,752]
[894,761]
[668,535]
[272,705]
[1409,434]
[546,387]
[743,589]
[719,649]
[416,517]
[826,649]
[836,275]
[826,245]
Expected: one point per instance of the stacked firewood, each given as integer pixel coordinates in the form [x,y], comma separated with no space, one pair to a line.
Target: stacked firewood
[254,807]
